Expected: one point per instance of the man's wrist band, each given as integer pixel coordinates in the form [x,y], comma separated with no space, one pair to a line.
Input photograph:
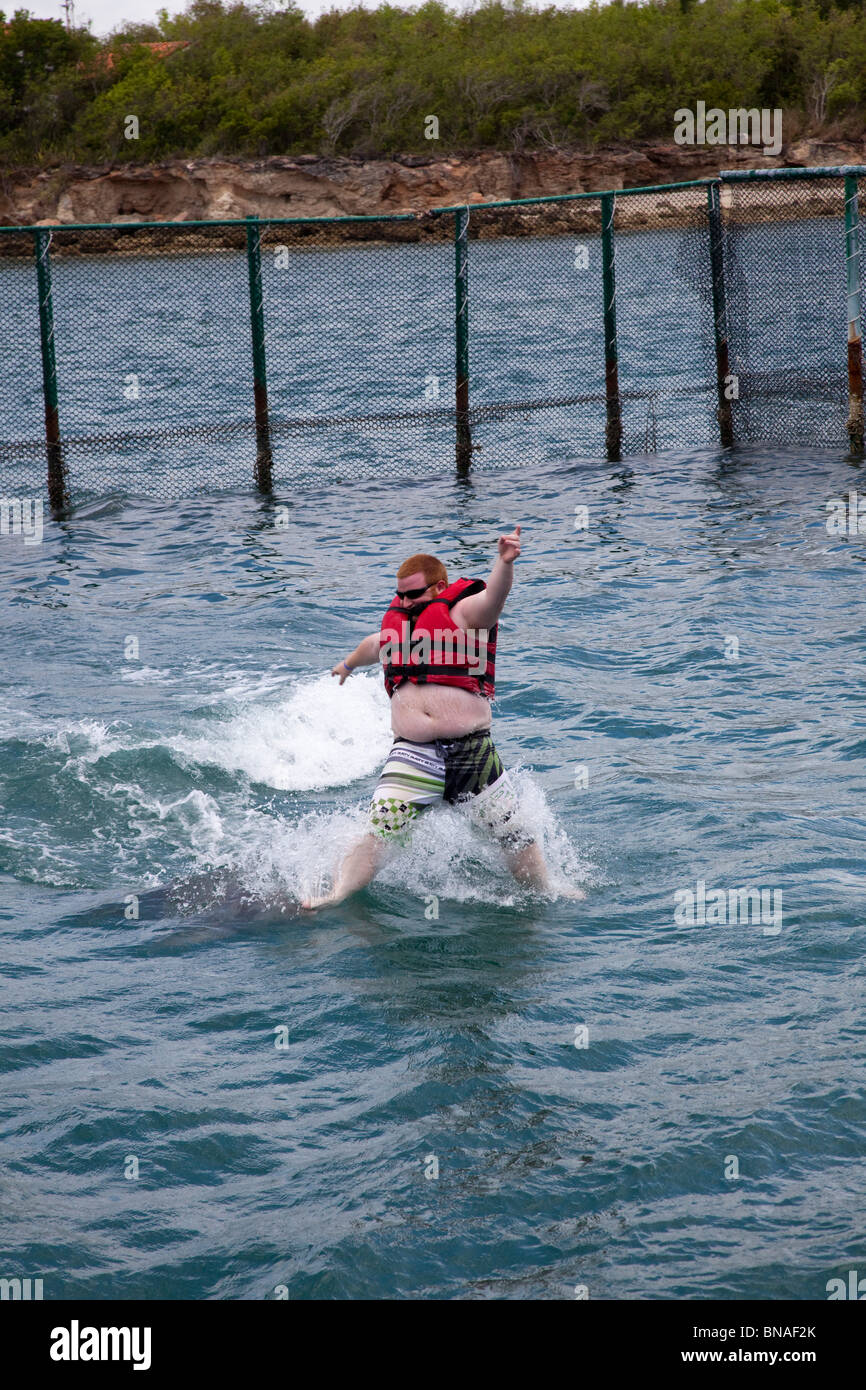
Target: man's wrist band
[348,667]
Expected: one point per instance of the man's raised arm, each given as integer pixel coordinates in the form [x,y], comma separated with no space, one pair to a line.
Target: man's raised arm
[483,610]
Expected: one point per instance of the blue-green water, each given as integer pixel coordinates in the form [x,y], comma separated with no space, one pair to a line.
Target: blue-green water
[223,759]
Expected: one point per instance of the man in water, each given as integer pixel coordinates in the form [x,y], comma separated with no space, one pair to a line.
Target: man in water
[437,644]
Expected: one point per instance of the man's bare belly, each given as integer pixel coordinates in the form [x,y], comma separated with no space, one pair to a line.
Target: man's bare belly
[424,712]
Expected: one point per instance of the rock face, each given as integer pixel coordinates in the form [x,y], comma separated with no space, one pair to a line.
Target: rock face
[313,186]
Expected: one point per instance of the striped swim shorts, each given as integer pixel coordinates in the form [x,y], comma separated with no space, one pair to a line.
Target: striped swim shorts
[464,771]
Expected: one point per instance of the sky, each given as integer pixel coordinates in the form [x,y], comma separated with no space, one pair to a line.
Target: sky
[105,15]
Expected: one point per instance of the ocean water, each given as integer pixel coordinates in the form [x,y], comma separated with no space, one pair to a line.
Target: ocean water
[449,1087]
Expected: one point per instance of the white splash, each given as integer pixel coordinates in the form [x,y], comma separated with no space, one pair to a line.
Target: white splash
[320,735]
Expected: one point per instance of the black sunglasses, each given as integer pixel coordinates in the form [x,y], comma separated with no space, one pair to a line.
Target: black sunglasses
[412,593]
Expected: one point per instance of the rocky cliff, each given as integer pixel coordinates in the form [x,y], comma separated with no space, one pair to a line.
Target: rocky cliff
[313,186]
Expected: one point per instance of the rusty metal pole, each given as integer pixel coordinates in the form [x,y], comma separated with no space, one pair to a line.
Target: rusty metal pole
[613,433]
[260,381]
[58,495]
[855,342]
[461,286]
[720,313]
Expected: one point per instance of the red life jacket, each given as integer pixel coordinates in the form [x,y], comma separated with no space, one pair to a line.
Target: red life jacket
[430,630]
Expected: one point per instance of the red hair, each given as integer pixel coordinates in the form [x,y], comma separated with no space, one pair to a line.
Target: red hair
[432,569]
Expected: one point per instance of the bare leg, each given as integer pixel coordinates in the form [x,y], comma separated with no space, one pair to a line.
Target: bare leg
[356,870]
[528,867]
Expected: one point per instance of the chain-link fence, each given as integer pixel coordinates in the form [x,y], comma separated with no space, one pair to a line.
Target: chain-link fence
[166,359]
[786,299]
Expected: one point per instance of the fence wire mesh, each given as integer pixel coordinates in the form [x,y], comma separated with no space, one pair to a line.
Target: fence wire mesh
[536,340]
[664,320]
[22,458]
[359,346]
[787,319]
[155,342]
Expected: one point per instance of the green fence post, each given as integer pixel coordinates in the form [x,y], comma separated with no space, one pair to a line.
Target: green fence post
[260,380]
[58,495]
[613,433]
[855,342]
[461,285]
[720,312]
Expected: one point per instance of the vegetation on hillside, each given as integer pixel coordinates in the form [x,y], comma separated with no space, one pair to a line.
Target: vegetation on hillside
[261,79]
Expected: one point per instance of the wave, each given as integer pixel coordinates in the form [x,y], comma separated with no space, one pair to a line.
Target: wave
[240,791]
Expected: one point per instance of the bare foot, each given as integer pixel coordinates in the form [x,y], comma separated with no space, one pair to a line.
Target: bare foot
[572,893]
[310,904]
